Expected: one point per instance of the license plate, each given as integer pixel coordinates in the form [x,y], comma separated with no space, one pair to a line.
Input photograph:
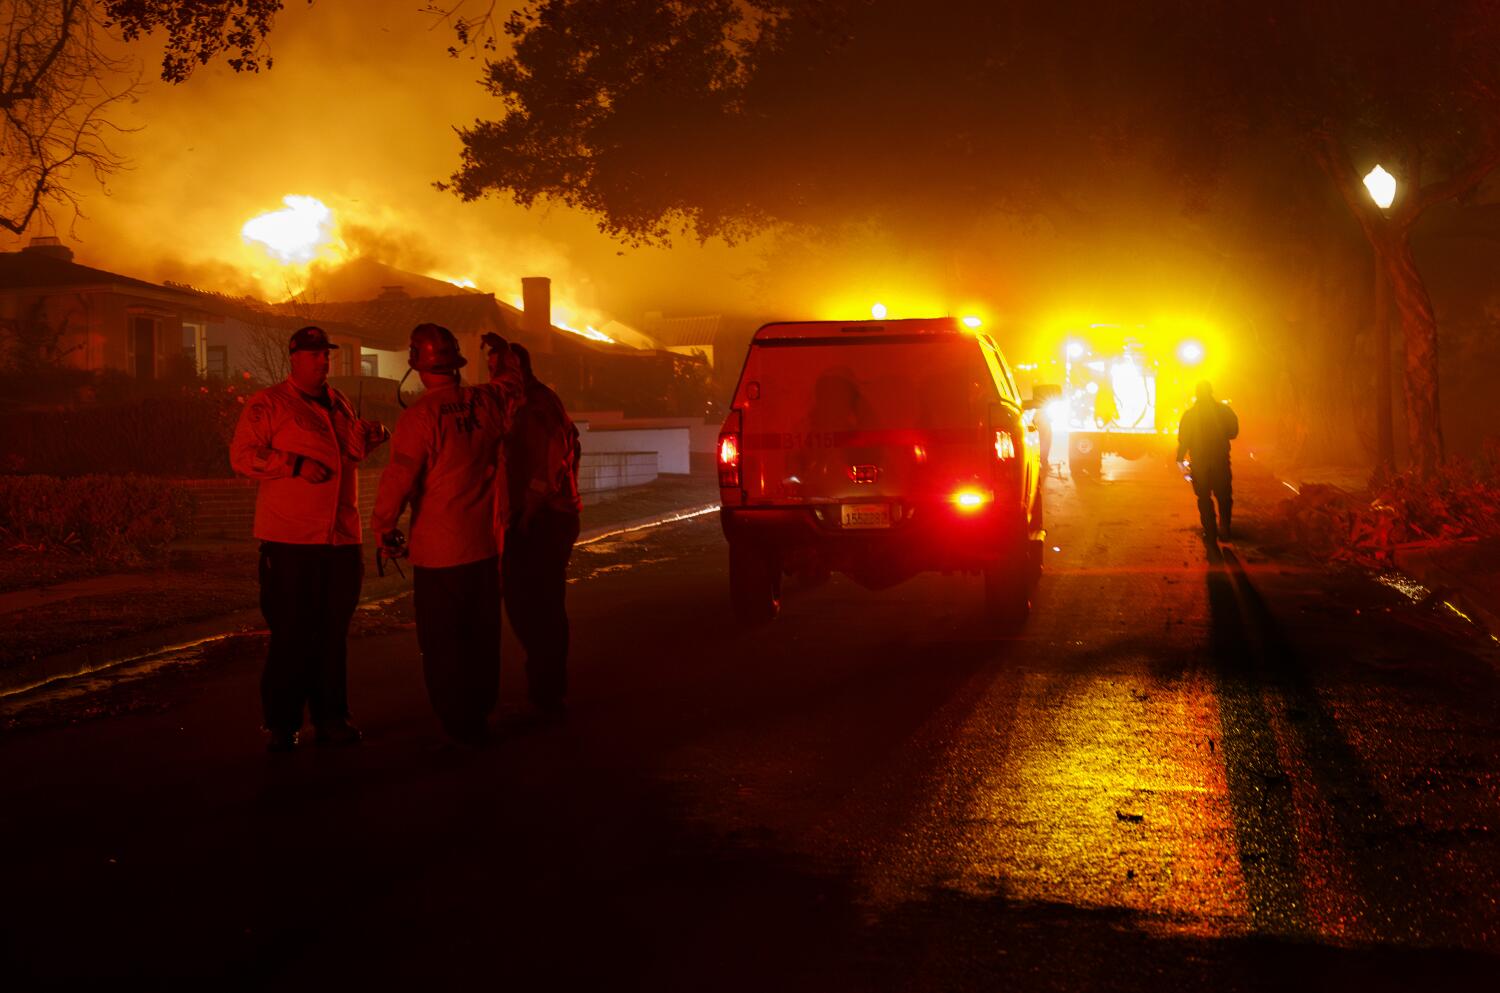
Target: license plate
[866,515]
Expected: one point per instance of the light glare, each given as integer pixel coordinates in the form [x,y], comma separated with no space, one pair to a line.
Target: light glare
[1382,187]
[968,499]
[1190,352]
[878,311]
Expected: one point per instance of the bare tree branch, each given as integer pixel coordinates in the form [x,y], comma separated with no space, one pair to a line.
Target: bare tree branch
[56,87]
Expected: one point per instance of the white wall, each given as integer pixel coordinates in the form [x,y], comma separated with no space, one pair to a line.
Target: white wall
[611,470]
[669,444]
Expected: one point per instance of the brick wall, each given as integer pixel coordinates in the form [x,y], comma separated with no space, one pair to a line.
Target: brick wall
[226,507]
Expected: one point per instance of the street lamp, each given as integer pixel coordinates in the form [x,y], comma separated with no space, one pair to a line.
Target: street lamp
[1382,187]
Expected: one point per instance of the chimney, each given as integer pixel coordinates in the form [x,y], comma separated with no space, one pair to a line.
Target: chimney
[394,293]
[50,246]
[536,307]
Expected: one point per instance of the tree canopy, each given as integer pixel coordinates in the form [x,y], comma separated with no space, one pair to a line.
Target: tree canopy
[717,118]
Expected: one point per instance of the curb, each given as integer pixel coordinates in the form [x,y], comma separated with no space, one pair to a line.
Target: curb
[1449,589]
[639,524]
[89,659]
[1444,587]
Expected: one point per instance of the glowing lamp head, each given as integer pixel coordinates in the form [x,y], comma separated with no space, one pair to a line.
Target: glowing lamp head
[1075,350]
[1382,187]
[1190,352]
[969,499]
[878,311]
[972,323]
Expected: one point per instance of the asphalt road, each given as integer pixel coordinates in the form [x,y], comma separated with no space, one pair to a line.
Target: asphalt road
[1180,775]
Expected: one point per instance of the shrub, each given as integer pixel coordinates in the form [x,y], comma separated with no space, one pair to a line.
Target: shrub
[121,519]
[182,432]
[1461,501]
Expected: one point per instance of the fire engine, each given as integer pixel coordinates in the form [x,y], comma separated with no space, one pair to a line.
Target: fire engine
[1118,395]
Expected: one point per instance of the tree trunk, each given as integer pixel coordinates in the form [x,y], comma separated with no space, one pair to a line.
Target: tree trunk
[1385,446]
[1424,429]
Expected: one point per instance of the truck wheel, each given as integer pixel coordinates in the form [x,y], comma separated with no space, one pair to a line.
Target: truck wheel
[754,583]
[1007,593]
[1008,582]
[1084,456]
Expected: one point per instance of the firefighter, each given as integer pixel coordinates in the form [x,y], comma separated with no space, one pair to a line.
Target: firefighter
[447,464]
[542,456]
[302,440]
[1203,437]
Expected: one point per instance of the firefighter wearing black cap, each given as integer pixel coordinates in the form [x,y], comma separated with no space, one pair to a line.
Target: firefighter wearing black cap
[302,440]
[542,455]
[1207,428]
[447,464]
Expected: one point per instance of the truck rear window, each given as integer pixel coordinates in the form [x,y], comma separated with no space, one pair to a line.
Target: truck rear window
[874,384]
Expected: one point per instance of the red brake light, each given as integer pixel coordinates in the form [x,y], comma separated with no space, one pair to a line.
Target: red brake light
[970,499]
[729,459]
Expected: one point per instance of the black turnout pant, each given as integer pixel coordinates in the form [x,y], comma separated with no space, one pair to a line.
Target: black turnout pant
[1214,482]
[307,594]
[535,588]
[458,630]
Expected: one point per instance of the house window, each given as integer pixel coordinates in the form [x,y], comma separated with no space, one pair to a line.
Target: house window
[216,361]
[194,347]
[369,365]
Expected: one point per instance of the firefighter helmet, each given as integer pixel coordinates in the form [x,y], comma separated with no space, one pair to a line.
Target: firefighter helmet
[434,349]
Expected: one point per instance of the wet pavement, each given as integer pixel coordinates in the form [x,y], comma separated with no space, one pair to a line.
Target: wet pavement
[1239,775]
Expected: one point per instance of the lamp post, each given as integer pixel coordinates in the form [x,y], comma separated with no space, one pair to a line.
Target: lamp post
[1382,187]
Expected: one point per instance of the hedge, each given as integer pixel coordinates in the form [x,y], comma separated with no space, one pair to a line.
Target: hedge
[182,434]
[121,519]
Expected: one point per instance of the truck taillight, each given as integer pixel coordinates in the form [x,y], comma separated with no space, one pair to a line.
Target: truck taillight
[729,459]
[1005,446]
[969,499]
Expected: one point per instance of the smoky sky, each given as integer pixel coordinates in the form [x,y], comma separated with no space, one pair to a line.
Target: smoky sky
[360,108]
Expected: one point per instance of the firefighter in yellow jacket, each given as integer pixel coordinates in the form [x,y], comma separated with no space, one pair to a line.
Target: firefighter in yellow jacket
[302,440]
[447,464]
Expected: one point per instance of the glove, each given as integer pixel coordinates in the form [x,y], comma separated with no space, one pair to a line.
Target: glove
[493,343]
[311,469]
[393,544]
[376,434]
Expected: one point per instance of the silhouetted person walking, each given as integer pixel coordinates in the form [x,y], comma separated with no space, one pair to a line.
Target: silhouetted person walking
[1203,440]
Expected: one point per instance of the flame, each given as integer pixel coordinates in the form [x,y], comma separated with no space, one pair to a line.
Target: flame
[590,332]
[462,282]
[294,235]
